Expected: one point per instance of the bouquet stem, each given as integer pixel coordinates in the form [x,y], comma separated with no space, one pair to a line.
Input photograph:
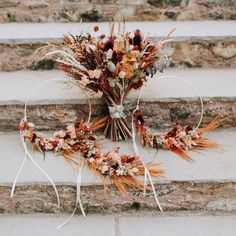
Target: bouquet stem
[115,125]
[117,129]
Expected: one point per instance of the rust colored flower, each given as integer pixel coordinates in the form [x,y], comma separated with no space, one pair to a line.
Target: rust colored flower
[68,39]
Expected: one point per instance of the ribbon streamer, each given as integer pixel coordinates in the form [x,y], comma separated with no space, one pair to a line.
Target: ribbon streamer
[78,197]
[38,167]
[17,175]
[146,171]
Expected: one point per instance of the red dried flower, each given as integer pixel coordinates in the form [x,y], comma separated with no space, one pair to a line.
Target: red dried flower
[138,84]
[92,138]
[102,36]
[137,39]
[117,57]
[96,28]
[108,45]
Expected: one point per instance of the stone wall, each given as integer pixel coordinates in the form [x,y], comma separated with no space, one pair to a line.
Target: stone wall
[160,114]
[105,10]
[217,53]
[173,196]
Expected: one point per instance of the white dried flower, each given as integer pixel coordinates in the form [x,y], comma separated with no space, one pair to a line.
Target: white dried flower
[119,172]
[105,168]
[91,160]
[71,130]
[135,65]
[135,170]
[60,134]
[31,125]
[109,54]
[122,74]
[182,134]
[48,146]
[112,83]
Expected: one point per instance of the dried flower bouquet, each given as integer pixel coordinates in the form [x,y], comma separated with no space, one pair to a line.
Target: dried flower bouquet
[113,65]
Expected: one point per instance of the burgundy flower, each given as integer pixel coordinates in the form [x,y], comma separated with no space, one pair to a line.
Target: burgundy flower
[96,28]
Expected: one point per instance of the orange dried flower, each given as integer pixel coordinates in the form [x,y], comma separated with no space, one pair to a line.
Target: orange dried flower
[128,69]
[68,39]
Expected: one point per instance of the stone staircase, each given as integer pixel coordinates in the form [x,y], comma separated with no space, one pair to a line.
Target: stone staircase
[104,10]
[197,198]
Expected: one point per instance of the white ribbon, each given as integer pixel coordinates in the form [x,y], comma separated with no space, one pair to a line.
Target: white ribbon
[27,153]
[78,198]
[17,175]
[117,111]
[146,171]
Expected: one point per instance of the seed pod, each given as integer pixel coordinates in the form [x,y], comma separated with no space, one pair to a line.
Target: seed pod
[111,66]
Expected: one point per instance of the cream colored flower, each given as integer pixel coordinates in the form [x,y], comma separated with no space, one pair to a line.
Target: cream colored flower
[71,130]
[62,144]
[48,146]
[122,74]
[119,172]
[84,80]
[105,168]
[31,125]
[91,160]
[60,134]
[135,170]
[109,54]
[94,73]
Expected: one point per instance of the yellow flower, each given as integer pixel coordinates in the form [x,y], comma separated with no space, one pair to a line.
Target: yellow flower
[119,45]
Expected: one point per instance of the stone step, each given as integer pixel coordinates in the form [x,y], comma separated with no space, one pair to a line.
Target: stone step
[103,10]
[124,225]
[164,101]
[186,197]
[196,44]
[210,165]
[206,185]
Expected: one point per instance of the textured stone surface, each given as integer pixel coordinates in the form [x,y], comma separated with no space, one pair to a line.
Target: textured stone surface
[105,10]
[173,196]
[188,52]
[46,224]
[159,114]
[169,226]
[194,224]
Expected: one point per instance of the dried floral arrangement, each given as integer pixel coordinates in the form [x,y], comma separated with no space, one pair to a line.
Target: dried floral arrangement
[179,139]
[78,138]
[113,66]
